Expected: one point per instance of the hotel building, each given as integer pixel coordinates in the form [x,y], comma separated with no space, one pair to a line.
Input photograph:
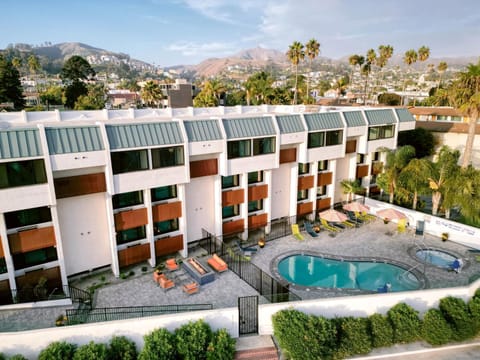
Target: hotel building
[81,190]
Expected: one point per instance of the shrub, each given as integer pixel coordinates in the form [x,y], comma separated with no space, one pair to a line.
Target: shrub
[476,295]
[17,357]
[435,329]
[91,351]
[381,331]
[353,337]
[121,348]
[192,340]
[159,344]
[2,357]
[474,309]
[57,350]
[221,347]
[455,311]
[405,322]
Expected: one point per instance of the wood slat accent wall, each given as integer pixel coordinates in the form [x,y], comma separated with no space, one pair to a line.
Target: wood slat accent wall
[256,221]
[167,211]
[30,240]
[288,155]
[2,254]
[323,204]
[133,255]
[130,219]
[324,178]
[5,293]
[233,227]
[257,192]
[31,278]
[233,197]
[362,170]
[351,146]
[80,185]
[168,245]
[374,190]
[203,168]
[304,208]
[305,182]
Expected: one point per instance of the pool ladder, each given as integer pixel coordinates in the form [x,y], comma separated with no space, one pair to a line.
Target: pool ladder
[409,271]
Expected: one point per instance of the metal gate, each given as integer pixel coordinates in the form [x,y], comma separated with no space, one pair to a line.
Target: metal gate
[248,315]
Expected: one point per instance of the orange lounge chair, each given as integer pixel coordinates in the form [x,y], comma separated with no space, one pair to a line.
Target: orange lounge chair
[171,264]
[191,288]
[164,282]
[217,263]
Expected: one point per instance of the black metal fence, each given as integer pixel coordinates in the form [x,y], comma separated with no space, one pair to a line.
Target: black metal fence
[81,316]
[34,294]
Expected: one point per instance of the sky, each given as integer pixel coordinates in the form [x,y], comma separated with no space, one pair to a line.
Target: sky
[174,32]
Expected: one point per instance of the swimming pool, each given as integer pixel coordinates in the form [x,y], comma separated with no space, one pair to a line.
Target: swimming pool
[435,257]
[316,271]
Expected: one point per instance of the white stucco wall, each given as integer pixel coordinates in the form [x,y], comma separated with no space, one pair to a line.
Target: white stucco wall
[457,142]
[281,191]
[200,207]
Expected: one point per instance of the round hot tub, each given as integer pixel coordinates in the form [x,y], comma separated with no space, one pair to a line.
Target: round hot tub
[436,257]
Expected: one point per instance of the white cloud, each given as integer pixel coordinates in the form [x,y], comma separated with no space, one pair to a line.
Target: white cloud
[223,10]
[202,49]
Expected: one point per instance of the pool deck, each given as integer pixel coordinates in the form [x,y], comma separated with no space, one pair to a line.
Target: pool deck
[373,240]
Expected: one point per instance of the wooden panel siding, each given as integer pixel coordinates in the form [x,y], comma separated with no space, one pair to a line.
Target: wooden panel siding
[133,255]
[305,182]
[167,211]
[2,254]
[257,192]
[168,245]
[305,208]
[203,168]
[374,190]
[288,155]
[31,278]
[130,219]
[323,204]
[232,227]
[324,178]
[351,146]
[233,197]
[30,240]
[80,185]
[362,170]
[256,221]
[5,293]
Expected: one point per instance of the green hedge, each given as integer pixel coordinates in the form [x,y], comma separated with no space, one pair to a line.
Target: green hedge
[353,337]
[435,328]
[381,331]
[456,313]
[405,322]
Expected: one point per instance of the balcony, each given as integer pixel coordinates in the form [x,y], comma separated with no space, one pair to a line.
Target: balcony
[203,168]
[167,211]
[80,185]
[26,283]
[362,171]
[257,192]
[324,179]
[305,182]
[130,219]
[168,245]
[233,197]
[305,208]
[288,155]
[5,293]
[257,221]
[233,227]
[30,240]
[351,146]
[323,204]
[133,254]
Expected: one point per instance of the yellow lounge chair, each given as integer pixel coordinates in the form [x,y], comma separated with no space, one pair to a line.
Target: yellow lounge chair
[328,227]
[401,226]
[296,232]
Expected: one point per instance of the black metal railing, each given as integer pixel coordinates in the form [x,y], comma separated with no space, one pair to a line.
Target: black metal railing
[34,294]
[81,316]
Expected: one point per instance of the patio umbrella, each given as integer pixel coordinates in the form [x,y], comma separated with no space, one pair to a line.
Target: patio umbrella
[391,214]
[356,207]
[333,215]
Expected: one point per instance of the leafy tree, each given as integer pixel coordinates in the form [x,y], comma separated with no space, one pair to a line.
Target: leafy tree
[421,139]
[75,71]
[389,99]
[51,95]
[465,192]
[33,64]
[295,55]
[312,49]
[91,351]
[192,340]
[441,68]
[10,87]
[159,344]
[151,94]
[58,350]
[94,100]
[121,348]
[350,187]
[129,84]
[259,88]
[414,178]
[72,92]
[355,60]
[221,347]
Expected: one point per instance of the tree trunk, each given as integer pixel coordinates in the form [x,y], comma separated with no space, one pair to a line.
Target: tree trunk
[415,199]
[436,197]
[467,154]
[447,213]
[296,84]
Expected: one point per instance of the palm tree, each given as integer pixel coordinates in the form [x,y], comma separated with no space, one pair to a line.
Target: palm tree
[414,178]
[259,88]
[218,88]
[441,67]
[355,60]
[465,95]
[312,49]
[296,54]
[409,58]
[350,188]
[367,69]
[151,94]
[33,64]
[467,193]
[385,52]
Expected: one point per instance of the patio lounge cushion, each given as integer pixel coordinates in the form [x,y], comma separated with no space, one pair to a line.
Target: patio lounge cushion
[165,282]
[217,263]
[190,288]
[171,264]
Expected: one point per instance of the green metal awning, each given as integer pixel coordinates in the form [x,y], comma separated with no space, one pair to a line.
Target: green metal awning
[202,130]
[20,143]
[249,127]
[380,117]
[354,118]
[404,115]
[323,121]
[65,140]
[290,124]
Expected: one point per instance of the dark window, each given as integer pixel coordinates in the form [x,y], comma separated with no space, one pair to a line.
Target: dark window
[303,168]
[381,132]
[255,205]
[36,257]
[230,181]
[22,173]
[316,139]
[321,191]
[3,266]
[302,194]
[164,193]
[129,235]
[360,158]
[373,179]
[255,177]
[376,156]
[167,157]
[127,199]
[230,211]
[237,149]
[128,161]
[323,165]
[163,227]
[263,146]
[16,219]
[333,137]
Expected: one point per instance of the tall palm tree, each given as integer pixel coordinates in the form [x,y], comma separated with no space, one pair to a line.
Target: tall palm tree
[296,54]
[385,52]
[465,95]
[467,193]
[259,88]
[218,88]
[33,64]
[371,59]
[355,60]
[441,68]
[151,94]
[414,178]
[312,49]
[409,58]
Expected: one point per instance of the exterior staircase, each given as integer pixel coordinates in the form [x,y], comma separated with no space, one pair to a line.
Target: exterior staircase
[264,353]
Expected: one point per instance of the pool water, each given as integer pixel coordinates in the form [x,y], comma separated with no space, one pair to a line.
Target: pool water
[436,257]
[315,271]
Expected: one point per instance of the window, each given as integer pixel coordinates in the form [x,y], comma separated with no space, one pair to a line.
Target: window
[373,179]
[442,118]
[381,132]
[230,181]
[316,139]
[127,199]
[322,165]
[163,227]
[3,266]
[36,257]
[255,177]
[230,211]
[164,193]
[238,149]
[263,146]
[376,156]
[302,194]
[321,191]
[128,161]
[255,205]
[22,173]
[456,118]
[20,218]
[303,168]
[334,137]
[129,235]
[167,157]
[360,158]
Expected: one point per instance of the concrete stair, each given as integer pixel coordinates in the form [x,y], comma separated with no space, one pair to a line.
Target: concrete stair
[263,353]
